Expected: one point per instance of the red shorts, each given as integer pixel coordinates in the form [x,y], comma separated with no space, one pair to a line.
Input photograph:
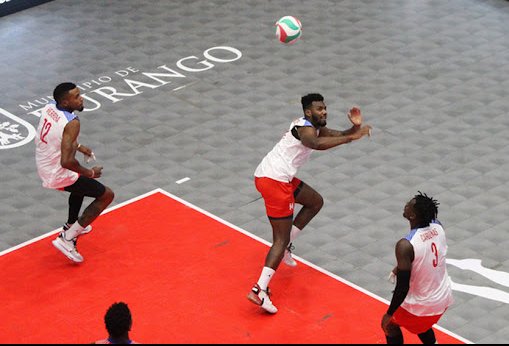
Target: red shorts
[278,196]
[412,323]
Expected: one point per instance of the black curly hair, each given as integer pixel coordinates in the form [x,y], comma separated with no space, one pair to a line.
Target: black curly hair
[426,208]
[118,320]
[62,90]
[308,99]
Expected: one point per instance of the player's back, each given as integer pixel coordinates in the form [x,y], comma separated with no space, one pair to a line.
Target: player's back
[430,286]
[48,141]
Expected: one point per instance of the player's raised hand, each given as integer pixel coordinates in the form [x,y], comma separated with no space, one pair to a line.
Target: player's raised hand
[361,132]
[355,116]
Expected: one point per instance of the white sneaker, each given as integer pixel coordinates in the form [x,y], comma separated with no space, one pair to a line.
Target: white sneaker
[288,259]
[261,298]
[68,248]
[86,230]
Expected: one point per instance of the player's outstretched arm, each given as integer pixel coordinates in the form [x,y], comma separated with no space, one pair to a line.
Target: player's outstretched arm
[310,139]
[355,117]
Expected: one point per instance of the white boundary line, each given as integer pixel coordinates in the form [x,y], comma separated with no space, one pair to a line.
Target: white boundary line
[212,216]
[28,242]
[346,282]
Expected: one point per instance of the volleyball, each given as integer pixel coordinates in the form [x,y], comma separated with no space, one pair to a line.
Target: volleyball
[288,29]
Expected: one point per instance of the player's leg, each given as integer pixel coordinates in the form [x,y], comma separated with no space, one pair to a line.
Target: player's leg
[279,205]
[428,337]
[393,334]
[102,195]
[66,240]
[67,245]
[260,293]
[95,208]
[281,238]
[75,203]
[311,202]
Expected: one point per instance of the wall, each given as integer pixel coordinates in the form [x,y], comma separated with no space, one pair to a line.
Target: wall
[12,6]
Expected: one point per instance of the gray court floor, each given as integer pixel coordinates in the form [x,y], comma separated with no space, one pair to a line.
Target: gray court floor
[202,89]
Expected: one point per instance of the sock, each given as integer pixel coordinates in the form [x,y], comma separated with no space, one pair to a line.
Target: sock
[73,232]
[294,233]
[265,277]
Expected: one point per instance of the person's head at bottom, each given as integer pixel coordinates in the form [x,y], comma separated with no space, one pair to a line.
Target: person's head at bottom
[118,321]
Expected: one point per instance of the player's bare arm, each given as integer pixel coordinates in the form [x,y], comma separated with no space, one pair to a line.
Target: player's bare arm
[69,145]
[355,117]
[68,149]
[310,139]
[405,257]
[327,132]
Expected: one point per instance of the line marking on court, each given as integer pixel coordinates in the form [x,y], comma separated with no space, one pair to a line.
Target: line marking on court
[183,180]
[184,86]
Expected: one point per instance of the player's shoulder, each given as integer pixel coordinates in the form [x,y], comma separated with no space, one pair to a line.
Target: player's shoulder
[437,222]
[49,107]
[302,121]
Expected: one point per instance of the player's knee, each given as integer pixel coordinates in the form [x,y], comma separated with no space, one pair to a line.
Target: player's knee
[318,203]
[108,195]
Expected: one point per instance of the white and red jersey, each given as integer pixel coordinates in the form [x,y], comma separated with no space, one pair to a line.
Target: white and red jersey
[430,286]
[283,161]
[48,141]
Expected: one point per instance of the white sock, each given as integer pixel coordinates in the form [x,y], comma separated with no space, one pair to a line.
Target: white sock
[73,232]
[294,233]
[265,277]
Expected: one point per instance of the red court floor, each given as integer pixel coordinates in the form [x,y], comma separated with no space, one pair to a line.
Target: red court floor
[184,274]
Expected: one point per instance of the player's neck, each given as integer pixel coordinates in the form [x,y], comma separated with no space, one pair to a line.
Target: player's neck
[64,109]
[316,126]
[415,225]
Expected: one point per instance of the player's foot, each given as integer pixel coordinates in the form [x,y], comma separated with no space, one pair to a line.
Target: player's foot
[261,298]
[68,248]
[288,259]
[86,230]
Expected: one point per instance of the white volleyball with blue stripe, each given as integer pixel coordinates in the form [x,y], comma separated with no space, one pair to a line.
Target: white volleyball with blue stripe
[288,29]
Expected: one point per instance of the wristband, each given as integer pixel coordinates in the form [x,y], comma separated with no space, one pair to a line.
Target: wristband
[93,174]
[79,145]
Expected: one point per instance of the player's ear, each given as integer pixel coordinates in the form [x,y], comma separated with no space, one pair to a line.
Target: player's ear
[64,102]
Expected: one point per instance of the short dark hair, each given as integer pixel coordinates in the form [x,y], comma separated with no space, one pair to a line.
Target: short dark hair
[308,99]
[61,90]
[426,208]
[118,319]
